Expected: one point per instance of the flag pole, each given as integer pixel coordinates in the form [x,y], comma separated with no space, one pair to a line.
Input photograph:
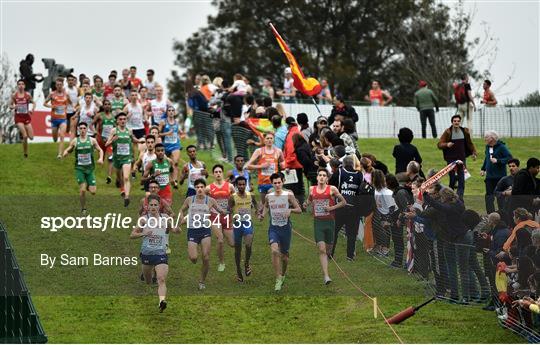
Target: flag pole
[316,106]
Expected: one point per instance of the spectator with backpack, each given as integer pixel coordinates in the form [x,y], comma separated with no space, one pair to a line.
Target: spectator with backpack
[464,100]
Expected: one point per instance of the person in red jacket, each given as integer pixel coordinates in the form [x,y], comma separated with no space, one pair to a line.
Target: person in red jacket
[294,180]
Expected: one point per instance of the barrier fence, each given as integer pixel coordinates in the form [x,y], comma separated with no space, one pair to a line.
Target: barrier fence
[385,122]
[19,321]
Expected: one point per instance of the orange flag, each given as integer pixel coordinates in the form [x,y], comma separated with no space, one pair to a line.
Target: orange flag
[307,86]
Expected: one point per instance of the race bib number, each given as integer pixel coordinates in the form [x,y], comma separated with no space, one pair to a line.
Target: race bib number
[244,210]
[162,180]
[279,218]
[319,208]
[106,133]
[268,170]
[60,110]
[122,149]
[223,203]
[194,176]
[290,177]
[22,108]
[84,159]
[155,241]
[170,139]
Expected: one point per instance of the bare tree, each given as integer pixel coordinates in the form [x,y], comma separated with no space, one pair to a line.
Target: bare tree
[8,130]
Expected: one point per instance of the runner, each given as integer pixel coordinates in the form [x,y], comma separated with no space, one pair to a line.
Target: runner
[160,170]
[268,159]
[84,162]
[98,91]
[133,80]
[154,130]
[143,160]
[322,197]
[192,170]
[121,138]
[135,114]
[73,94]
[150,84]
[221,190]
[239,170]
[158,107]
[154,230]
[58,101]
[153,189]
[170,131]
[198,225]
[104,123]
[118,100]
[20,104]
[280,228]
[241,204]
[86,113]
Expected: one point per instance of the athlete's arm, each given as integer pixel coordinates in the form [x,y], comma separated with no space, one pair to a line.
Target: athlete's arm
[173,169]
[12,101]
[161,133]
[146,174]
[493,100]
[96,146]
[184,174]
[207,190]
[336,194]
[47,101]
[112,137]
[230,175]
[281,159]
[31,101]
[249,165]
[213,204]
[134,138]
[70,147]
[184,207]
[296,207]
[138,233]
[307,203]
[388,97]
[262,214]
[138,163]
[204,172]
[231,202]
[254,204]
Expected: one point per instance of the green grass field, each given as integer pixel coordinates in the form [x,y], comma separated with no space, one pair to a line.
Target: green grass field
[109,304]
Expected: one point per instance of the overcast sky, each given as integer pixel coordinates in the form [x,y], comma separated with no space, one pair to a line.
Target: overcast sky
[95,37]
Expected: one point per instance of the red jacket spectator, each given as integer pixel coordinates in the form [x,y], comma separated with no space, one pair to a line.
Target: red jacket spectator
[291,161]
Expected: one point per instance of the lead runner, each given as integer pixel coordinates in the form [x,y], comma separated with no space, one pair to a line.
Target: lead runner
[280,229]
[322,197]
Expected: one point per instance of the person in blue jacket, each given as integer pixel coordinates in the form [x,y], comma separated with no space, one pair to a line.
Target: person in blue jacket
[496,158]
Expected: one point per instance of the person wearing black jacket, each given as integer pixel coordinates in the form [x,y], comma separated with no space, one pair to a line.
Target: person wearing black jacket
[526,187]
[305,156]
[341,111]
[348,182]
[403,198]
[456,248]
[405,152]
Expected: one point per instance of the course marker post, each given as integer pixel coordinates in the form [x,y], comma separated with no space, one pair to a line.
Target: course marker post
[375,307]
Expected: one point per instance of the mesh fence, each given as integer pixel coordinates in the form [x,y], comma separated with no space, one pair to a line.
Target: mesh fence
[385,122]
[461,269]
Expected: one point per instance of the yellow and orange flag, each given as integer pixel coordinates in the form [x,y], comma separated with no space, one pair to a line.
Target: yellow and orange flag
[307,86]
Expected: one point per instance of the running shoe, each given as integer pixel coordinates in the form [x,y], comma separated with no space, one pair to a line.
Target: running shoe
[141,277]
[279,284]
[109,180]
[84,211]
[168,250]
[133,175]
[126,202]
[25,155]
[162,306]
[239,278]
[221,267]
[202,286]
[327,280]
[59,156]
[248,270]
[175,184]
